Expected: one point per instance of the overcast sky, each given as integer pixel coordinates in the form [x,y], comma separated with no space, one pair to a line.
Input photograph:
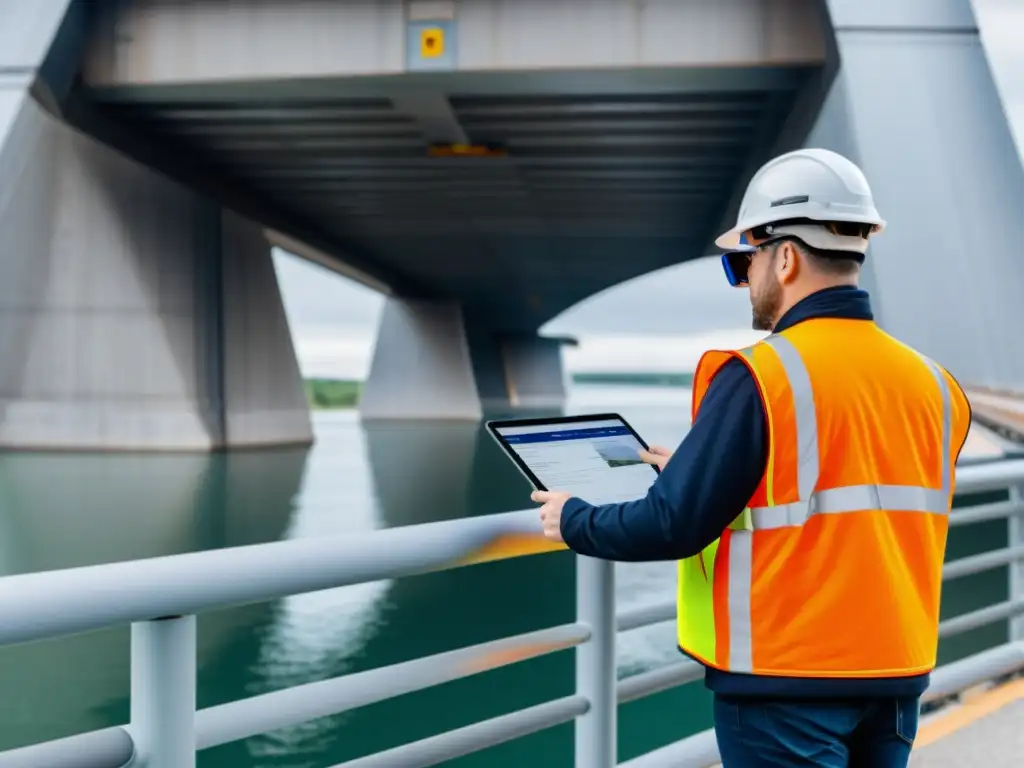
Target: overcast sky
[334,321]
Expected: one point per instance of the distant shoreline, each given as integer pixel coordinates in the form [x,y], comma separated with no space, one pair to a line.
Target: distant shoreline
[335,394]
[633,379]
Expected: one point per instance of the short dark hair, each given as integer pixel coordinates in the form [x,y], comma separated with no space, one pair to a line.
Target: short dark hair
[829,262]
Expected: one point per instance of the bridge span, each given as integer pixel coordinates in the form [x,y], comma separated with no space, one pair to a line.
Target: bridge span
[150,152]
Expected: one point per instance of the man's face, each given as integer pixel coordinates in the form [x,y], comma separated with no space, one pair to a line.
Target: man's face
[765,288]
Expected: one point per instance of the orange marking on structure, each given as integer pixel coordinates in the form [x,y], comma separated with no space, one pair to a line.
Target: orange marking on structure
[508,656]
[512,545]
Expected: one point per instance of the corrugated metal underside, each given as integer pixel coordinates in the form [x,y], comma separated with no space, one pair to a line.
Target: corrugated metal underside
[596,188]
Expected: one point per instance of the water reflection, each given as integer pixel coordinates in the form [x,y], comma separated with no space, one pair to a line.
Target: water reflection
[424,472]
[312,636]
[420,470]
[67,510]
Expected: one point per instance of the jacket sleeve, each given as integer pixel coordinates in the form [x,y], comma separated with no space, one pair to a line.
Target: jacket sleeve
[703,488]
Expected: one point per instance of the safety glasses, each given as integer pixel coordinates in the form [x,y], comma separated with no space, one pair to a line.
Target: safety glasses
[737,263]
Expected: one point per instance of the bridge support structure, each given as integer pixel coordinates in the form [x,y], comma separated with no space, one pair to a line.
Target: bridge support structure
[433,361]
[138,315]
[937,148]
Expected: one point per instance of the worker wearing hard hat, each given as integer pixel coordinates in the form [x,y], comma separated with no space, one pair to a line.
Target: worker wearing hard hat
[808,504]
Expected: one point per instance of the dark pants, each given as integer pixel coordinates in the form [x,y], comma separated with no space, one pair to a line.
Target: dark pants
[867,733]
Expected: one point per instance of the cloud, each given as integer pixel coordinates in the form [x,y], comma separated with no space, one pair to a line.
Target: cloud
[662,354]
[658,322]
[333,353]
[315,297]
[688,298]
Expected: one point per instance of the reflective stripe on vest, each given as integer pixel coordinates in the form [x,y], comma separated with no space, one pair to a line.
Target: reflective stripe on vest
[857,498]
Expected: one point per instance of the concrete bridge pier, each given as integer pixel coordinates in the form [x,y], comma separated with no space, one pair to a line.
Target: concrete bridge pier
[916,104]
[433,361]
[137,314]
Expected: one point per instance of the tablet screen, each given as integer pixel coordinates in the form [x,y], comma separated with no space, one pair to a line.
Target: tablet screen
[598,461]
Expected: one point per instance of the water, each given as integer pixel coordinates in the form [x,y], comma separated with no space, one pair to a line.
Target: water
[59,511]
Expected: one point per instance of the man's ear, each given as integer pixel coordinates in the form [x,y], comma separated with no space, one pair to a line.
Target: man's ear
[787,263]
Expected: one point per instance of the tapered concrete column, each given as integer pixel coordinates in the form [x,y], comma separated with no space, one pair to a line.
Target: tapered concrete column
[431,361]
[535,377]
[137,314]
[916,105]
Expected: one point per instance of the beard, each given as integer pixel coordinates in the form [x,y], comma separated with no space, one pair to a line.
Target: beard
[765,304]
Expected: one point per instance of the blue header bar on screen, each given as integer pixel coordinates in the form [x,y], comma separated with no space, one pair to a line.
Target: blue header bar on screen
[566,434]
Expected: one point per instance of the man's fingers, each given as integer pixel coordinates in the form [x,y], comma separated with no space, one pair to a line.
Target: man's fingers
[658,450]
[541,497]
[650,458]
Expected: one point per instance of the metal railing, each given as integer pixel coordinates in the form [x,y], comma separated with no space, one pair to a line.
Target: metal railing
[160,597]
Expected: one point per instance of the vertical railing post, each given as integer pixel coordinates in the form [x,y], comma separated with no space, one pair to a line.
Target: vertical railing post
[596,737]
[163,691]
[1016,568]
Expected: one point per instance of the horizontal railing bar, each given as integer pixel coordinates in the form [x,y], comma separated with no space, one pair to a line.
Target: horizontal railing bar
[946,681]
[993,476]
[657,680]
[701,749]
[988,665]
[52,603]
[983,512]
[645,615]
[965,566]
[108,748]
[473,738]
[697,751]
[981,617]
[292,706]
[48,604]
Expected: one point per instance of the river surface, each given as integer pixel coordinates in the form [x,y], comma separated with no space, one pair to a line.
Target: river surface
[65,510]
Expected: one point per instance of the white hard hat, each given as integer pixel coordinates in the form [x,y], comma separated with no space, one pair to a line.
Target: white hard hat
[813,184]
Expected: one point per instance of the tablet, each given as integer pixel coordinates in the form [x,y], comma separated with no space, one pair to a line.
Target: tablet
[593,457]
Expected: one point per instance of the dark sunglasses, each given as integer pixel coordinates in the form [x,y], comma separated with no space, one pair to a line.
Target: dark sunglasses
[737,263]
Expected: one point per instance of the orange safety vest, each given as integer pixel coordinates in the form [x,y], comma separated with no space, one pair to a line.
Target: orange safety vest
[835,567]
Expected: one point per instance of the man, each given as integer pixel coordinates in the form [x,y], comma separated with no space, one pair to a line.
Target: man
[808,504]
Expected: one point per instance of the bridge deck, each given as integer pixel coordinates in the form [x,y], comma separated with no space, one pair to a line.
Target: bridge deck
[984,730]
[999,412]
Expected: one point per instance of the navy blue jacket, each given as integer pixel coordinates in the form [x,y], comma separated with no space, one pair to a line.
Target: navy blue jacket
[705,486]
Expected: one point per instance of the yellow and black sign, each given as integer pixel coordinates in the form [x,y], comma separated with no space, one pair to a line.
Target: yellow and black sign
[431,42]
[431,45]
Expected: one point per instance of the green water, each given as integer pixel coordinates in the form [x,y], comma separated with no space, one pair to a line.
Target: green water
[59,511]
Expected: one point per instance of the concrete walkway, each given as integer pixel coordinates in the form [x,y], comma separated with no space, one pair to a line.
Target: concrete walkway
[985,731]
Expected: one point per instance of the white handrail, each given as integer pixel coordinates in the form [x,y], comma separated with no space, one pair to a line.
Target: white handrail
[160,597]
[61,602]
[53,603]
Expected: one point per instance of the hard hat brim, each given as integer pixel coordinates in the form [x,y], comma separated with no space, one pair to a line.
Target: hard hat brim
[735,238]
[730,241]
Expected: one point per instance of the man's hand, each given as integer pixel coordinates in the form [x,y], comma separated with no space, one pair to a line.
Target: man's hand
[551,512]
[657,456]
